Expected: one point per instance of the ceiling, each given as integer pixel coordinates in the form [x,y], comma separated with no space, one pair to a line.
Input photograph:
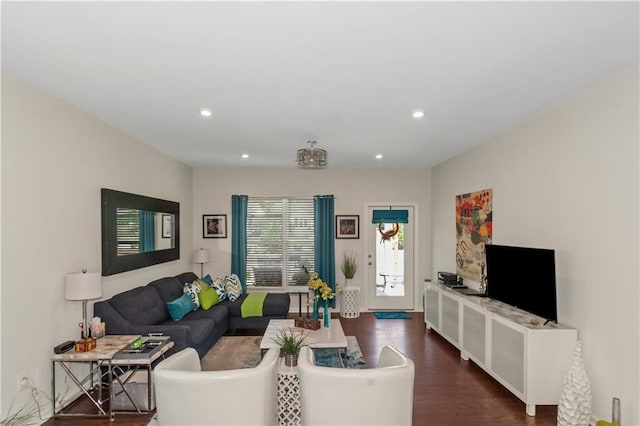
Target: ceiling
[348,75]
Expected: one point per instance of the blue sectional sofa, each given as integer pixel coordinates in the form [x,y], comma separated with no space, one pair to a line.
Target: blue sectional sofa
[143,310]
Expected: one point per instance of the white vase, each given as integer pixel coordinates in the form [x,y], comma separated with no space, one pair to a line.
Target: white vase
[574,407]
[346,282]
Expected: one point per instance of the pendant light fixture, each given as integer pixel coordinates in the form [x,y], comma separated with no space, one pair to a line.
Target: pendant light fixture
[312,158]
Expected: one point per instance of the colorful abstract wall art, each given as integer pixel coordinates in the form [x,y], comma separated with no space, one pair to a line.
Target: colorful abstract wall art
[474,223]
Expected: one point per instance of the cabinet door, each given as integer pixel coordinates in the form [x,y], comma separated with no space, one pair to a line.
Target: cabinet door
[450,319]
[507,355]
[432,308]
[474,334]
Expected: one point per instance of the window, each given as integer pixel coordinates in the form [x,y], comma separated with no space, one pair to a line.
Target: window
[127,231]
[280,240]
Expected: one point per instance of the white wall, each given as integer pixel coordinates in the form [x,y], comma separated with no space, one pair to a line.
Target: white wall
[568,180]
[353,188]
[55,159]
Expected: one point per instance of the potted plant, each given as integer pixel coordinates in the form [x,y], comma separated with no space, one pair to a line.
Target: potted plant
[290,342]
[349,266]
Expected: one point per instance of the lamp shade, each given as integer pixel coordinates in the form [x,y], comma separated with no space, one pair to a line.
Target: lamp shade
[201,256]
[83,286]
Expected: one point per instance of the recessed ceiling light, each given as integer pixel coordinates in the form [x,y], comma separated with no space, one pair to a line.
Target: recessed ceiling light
[245,155]
[378,156]
[417,114]
[205,112]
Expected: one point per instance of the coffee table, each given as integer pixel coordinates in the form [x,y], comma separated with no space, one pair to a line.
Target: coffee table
[332,337]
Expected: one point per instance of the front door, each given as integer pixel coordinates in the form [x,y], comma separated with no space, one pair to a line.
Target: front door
[390,274]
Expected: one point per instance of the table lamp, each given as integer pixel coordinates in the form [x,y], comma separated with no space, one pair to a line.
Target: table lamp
[201,256]
[83,286]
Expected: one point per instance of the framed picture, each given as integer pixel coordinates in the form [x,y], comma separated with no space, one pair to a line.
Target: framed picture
[166,226]
[214,226]
[348,226]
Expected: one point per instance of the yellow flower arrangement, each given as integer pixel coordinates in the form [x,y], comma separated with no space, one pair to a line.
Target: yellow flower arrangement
[320,288]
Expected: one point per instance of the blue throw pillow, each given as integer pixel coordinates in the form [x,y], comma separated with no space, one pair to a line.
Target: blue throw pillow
[208,279]
[180,307]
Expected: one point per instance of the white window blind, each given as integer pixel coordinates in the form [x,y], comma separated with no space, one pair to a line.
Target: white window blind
[127,231]
[280,240]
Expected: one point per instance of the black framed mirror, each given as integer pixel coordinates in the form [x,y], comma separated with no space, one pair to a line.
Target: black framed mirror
[137,231]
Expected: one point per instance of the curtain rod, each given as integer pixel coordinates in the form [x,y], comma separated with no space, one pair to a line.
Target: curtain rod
[287,197]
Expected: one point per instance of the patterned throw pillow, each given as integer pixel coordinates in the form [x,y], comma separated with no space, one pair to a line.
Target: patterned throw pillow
[218,286]
[233,287]
[192,289]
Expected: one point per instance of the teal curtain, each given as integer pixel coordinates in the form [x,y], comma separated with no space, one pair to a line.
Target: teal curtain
[390,216]
[147,231]
[325,258]
[239,238]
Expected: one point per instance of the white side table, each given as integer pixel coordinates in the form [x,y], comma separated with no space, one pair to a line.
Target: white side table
[288,396]
[349,304]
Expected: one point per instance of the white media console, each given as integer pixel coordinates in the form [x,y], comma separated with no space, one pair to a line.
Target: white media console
[516,348]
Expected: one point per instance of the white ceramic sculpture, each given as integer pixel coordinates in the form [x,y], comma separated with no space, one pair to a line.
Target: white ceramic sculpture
[574,407]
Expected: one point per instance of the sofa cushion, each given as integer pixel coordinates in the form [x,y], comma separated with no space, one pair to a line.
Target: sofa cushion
[186,277]
[275,305]
[141,305]
[199,329]
[218,313]
[169,288]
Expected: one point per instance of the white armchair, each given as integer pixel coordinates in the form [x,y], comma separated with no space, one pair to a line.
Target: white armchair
[185,395]
[372,396]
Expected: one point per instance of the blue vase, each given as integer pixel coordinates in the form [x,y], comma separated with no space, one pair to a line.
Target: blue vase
[327,314]
[316,305]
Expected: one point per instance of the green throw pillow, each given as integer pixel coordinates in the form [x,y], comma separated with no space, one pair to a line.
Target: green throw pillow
[208,298]
[203,285]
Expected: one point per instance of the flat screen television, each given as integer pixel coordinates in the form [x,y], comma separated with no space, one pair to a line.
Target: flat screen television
[523,277]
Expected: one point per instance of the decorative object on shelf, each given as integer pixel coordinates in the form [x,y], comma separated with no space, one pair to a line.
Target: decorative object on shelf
[327,314]
[349,266]
[290,342]
[321,291]
[201,256]
[574,407]
[83,286]
[307,323]
[312,158]
[615,415]
[483,278]
[97,328]
[348,226]
[214,226]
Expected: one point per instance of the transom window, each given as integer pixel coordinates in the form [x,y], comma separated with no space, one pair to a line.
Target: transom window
[280,240]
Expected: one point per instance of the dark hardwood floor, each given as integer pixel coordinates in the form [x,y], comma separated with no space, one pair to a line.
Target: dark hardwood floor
[448,391]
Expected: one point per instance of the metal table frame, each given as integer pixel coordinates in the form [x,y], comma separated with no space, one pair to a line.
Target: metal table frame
[102,363]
